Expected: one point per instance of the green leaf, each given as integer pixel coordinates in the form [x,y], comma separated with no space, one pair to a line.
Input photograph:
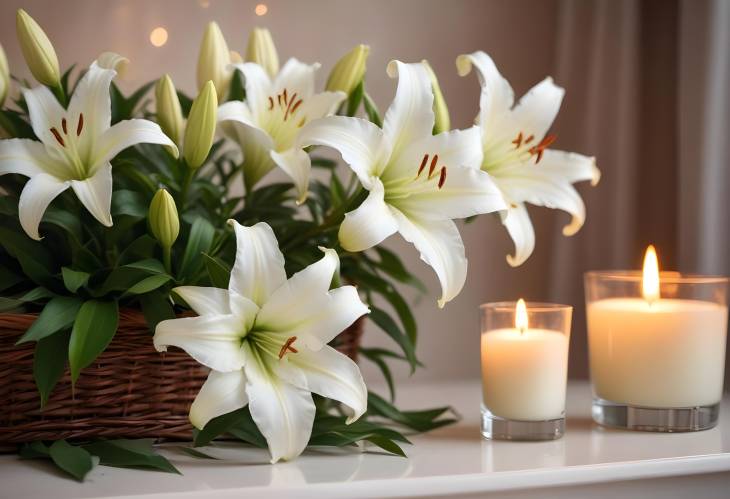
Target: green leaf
[36,294]
[58,314]
[49,363]
[355,98]
[149,284]
[387,445]
[388,325]
[156,308]
[74,279]
[201,238]
[392,265]
[8,278]
[237,420]
[34,450]
[75,461]
[131,203]
[65,220]
[372,110]
[149,265]
[377,359]
[124,453]
[416,420]
[33,257]
[10,304]
[218,271]
[92,332]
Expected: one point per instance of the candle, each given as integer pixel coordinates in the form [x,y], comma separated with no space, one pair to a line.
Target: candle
[524,368]
[655,343]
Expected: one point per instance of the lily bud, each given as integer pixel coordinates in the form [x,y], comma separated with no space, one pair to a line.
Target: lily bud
[214,60]
[200,130]
[37,50]
[164,222]
[4,76]
[440,109]
[169,112]
[261,50]
[349,71]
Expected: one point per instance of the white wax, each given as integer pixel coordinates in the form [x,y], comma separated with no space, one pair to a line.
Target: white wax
[524,374]
[670,353]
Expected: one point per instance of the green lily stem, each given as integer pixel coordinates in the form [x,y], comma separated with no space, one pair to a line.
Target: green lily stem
[189,173]
[166,258]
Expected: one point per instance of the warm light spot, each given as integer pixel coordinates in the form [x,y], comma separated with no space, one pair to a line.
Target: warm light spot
[158,36]
[204,3]
[650,278]
[261,9]
[521,315]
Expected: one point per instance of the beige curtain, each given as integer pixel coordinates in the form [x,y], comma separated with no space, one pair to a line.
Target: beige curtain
[650,96]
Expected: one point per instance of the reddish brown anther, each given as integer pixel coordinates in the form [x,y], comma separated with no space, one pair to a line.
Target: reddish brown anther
[540,148]
[287,347]
[285,99]
[59,139]
[63,125]
[271,103]
[518,141]
[80,126]
[295,107]
[442,177]
[423,165]
[433,164]
[289,105]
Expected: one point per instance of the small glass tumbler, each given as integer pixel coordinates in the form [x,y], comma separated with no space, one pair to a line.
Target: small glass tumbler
[524,351]
[656,365]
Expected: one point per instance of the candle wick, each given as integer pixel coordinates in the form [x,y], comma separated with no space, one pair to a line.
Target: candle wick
[522,331]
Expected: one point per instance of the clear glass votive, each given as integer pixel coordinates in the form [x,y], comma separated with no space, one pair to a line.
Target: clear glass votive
[524,349]
[659,364]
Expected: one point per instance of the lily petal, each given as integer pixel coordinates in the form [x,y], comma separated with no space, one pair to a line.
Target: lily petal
[518,224]
[128,133]
[464,193]
[258,87]
[297,164]
[460,148]
[259,268]
[282,412]
[25,157]
[533,184]
[212,340]
[497,97]
[410,115]
[537,109]
[95,193]
[255,143]
[37,194]
[92,99]
[370,223]
[296,77]
[303,306]
[220,394]
[570,167]
[205,300]
[360,143]
[441,247]
[45,113]
[321,105]
[333,375]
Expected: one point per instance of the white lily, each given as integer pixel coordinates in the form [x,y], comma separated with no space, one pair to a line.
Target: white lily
[516,154]
[267,124]
[265,339]
[76,145]
[418,182]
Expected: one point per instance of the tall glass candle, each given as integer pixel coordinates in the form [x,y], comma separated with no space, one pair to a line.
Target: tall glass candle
[524,369]
[656,347]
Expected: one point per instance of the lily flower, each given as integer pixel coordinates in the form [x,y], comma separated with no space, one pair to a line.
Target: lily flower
[516,154]
[267,124]
[265,339]
[418,182]
[75,148]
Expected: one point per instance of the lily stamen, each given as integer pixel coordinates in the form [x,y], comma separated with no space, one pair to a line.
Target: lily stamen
[271,103]
[432,167]
[59,139]
[80,125]
[63,126]
[442,177]
[287,347]
[540,148]
[518,141]
[423,165]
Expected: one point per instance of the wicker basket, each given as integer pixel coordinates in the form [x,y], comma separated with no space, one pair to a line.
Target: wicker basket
[130,391]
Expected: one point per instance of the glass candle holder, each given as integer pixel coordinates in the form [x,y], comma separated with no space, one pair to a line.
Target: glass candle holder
[524,348]
[656,364]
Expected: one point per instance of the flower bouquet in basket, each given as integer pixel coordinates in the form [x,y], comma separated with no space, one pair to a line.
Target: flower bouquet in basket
[152,277]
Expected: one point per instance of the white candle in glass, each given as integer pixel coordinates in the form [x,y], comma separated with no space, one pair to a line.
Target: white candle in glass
[524,370]
[657,352]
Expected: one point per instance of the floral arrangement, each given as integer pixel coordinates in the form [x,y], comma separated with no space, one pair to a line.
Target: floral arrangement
[112,203]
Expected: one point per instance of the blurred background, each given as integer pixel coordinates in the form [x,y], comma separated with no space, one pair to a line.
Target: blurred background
[648,94]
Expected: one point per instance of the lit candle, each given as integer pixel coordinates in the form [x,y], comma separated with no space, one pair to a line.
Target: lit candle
[524,369]
[655,344]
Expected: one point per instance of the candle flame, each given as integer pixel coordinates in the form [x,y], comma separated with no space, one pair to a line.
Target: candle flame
[650,278]
[521,315]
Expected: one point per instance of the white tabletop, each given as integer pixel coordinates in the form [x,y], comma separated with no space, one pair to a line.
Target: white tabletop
[449,461]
